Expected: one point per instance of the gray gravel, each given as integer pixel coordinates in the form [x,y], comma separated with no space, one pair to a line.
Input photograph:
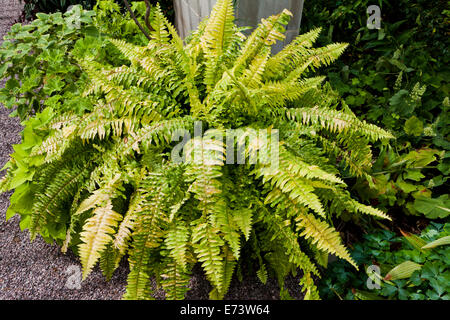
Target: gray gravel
[39,270]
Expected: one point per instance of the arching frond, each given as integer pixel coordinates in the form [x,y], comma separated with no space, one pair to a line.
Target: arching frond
[337,122]
[96,235]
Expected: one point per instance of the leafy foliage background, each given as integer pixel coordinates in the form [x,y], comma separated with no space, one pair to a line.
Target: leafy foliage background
[50,6]
[396,77]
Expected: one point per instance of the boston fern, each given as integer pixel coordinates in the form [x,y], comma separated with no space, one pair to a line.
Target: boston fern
[116,183]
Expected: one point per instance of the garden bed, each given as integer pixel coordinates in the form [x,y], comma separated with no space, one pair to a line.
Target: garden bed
[102,192]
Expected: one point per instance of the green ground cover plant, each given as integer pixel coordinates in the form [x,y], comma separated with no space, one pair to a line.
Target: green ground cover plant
[32,7]
[102,180]
[411,267]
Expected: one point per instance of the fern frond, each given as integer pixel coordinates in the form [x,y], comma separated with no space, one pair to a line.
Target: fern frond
[177,241]
[291,54]
[109,261]
[54,146]
[309,287]
[299,191]
[175,280]
[279,230]
[326,55]
[228,271]
[337,121]
[62,185]
[358,160]
[243,218]
[157,22]
[253,75]
[160,133]
[148,235]
[138,280]
[74,218]
[218,31]
[359,207]
[207,244]
[225,220]
[96,235]
[205,158]
[322,236]
[126,227]
[277,94]
[266,34]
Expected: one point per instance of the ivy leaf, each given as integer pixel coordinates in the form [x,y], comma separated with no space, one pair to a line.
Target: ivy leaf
[413,126]
[433,208]
[406,187]
[53,85]
[415,175]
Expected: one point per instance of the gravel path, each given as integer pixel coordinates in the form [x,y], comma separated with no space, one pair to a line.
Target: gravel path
[39,270]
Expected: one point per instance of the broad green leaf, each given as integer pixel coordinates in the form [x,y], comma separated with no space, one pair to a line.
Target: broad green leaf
[406,187]
[403,271]
[433,208]
[413,126]
[415,175]
[436,243]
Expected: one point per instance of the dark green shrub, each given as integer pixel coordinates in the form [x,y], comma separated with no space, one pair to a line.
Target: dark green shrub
[397,77]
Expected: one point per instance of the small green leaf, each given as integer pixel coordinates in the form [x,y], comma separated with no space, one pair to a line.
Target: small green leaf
[414,175]
[413,126]
[433,208]
[406,187]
